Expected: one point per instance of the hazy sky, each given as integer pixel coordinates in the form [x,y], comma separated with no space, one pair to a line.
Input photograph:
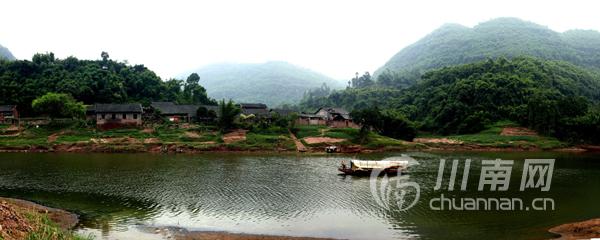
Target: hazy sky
[335,37]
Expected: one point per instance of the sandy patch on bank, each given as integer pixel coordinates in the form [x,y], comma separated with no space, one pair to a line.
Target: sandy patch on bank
[235,136]
[437,140]
[315,140]
[124,140]
[192,134]
[151,140]
[517,131]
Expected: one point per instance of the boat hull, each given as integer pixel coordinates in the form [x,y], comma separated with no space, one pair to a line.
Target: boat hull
[366,172]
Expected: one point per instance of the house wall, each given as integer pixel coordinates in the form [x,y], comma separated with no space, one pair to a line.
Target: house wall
[105,120]
[307,121]
[343,124]
[9,117]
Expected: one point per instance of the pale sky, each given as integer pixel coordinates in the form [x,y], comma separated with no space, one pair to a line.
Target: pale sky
[334,37]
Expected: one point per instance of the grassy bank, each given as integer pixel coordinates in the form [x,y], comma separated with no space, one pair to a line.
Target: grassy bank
[26,220]
[494,138]
[198,138]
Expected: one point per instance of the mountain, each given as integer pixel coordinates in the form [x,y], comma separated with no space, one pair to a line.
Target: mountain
[272,83]
[5,53]
[453,44]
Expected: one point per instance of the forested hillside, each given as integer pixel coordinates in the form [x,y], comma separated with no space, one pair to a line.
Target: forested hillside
[553,97]
[272,83]
[454,44]
[91,81]
[5,54]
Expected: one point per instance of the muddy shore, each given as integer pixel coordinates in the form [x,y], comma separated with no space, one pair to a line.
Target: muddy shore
[578,230]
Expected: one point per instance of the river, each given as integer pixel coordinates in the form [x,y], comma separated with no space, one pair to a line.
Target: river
[124,195]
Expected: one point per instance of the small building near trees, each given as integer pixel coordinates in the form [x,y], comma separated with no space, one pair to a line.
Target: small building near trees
[110,116]
[9,114]
[332,117]
[259,110]
[184,113]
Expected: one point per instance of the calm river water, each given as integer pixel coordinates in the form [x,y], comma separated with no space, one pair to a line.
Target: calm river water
[121,195]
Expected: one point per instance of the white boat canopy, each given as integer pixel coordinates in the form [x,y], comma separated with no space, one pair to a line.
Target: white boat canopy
[362,164]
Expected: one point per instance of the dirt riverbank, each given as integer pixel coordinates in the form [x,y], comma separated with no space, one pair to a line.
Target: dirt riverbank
[578,230]
[20,218]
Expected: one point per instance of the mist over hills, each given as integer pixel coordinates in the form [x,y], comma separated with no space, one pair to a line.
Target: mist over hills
[273,83]
[5,53]
[454,44]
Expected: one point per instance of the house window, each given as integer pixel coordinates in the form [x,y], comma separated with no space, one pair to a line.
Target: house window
[135,116]
[103,116]
[114,116]
[124,116]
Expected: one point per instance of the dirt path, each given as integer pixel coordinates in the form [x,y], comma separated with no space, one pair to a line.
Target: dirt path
[517,131]
[235,136]
[315,140]
[299,146]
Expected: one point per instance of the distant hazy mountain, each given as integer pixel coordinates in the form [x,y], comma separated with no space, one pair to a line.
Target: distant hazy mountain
[272,83]
[5,53]
[454,44]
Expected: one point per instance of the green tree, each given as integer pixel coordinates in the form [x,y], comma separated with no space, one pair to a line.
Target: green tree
[228,113]
[58,105]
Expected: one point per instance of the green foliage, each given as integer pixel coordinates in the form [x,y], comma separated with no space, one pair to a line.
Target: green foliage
[228,113]
[387,123]
[89,81]
[205,114]
[535,93]
[454,44]
[272,83]
[58,105]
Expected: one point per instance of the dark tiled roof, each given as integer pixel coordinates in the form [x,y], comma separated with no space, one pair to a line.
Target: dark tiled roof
[282,112]
[304,115]
[170,108]
[333,111]
[259,112]
[6,108]
[253,105]
[118,108]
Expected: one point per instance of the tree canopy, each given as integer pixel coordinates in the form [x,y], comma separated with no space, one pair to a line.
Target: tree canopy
[90,81]
[58,105]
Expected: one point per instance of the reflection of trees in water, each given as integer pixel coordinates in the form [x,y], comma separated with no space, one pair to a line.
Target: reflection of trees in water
[95,211]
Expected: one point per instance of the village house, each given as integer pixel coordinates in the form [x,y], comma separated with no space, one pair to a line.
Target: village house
[118,115]
[310,119]
[259,110]
[282,112]
[332,117]
[182,113]
[9,114]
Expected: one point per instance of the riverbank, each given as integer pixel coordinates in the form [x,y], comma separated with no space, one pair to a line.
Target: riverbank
[578,230]
[20,219]
[188,138]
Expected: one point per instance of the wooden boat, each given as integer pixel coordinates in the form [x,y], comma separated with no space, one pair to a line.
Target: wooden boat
[361,167]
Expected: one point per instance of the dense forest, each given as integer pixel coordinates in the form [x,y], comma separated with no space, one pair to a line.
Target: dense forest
[553,97]
[453,44]
[272,83]
[5,54]
[91,81]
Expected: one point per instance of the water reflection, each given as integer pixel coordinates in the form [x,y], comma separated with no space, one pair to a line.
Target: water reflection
[273,194]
